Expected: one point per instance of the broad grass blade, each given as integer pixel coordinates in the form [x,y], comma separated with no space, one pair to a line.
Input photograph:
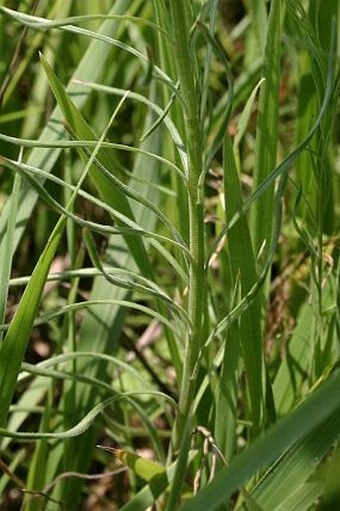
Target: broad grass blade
[315,412]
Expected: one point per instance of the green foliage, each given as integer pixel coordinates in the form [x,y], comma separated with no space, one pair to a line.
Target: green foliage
[169,255]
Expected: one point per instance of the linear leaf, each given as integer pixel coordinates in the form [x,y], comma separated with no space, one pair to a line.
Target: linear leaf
[111,195]
[90,66]
[311,414]
[13,348]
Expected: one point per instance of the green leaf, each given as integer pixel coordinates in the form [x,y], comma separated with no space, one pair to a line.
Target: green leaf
[243,265]
[157,486]
[109,193]
[267,130]
[14,345]
[6,261]
[90,66]
[142,467]
[293,429]
[13,348]
[288,475]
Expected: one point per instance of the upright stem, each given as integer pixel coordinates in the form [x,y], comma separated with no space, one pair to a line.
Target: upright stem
[186,70]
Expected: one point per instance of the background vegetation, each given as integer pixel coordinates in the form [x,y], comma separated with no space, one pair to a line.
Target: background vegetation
[169,255]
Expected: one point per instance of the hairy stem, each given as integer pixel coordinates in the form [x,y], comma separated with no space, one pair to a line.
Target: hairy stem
[180,13]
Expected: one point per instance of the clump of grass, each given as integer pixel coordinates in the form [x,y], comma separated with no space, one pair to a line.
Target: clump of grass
[186,182]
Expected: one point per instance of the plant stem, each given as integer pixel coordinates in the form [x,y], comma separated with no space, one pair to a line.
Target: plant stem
[186,69]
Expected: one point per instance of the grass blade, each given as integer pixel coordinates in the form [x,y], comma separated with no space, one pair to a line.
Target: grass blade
[267,129]
[111,195]
[13,348]
[90,66]
[315,411]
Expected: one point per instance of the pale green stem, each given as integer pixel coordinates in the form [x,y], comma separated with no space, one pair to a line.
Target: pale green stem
[186,73]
